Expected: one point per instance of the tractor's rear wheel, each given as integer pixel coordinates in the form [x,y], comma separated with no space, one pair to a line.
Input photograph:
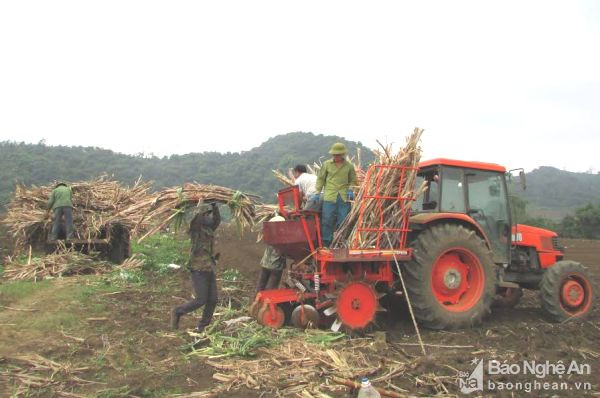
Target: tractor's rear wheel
[507,297]
[566,291]
[451,280]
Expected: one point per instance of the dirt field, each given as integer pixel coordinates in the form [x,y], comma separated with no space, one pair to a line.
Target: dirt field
[107,340]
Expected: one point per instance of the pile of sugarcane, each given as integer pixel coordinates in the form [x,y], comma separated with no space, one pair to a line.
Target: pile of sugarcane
[170,205]
[390,210]
[62,263]
[97,204]
[65,262]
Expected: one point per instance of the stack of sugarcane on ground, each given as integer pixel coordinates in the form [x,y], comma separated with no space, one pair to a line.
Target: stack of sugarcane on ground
[389,185]
[170,205]
[64,262]
[97,204]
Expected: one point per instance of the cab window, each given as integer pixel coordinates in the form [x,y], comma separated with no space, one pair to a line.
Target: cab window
[429,200]
[488,206]
[453,195]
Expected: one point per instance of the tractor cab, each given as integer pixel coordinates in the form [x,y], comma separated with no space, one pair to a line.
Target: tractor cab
[469,192]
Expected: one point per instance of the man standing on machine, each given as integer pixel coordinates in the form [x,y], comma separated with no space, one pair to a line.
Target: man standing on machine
[336,177]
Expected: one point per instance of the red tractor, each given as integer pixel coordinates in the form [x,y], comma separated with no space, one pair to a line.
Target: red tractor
[458,251]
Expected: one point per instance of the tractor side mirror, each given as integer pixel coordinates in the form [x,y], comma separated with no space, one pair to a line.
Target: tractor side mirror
[521,177]
[523,180]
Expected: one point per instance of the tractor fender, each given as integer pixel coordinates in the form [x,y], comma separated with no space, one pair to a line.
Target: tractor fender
[423,220]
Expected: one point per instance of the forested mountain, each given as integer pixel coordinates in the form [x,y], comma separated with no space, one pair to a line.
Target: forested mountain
[249,171]
[554,193]
[550,193]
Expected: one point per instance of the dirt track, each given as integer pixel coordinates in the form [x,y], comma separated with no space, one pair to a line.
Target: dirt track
[514,335]
[132,352]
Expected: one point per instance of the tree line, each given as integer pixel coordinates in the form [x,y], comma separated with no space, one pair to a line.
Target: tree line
[248,171]
[584,223]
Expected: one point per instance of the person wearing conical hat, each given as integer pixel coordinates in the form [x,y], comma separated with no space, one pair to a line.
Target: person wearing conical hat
[336,179]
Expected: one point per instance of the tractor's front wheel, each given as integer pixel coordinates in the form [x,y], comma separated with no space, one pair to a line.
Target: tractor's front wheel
[451,279]
[566,291]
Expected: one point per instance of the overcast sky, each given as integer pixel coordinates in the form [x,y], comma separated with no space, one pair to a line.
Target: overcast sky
[513,82]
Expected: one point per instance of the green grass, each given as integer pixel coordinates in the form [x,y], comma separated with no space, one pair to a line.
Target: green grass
[323,337]
[231,274]
[50,322]
[18,290]
[160,250]
[58,305]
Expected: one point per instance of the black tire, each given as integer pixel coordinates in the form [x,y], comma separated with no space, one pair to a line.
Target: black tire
[507,297]
[127,250]
[115,252]
[116,249]
[119,247]
[551,291]
[430,245]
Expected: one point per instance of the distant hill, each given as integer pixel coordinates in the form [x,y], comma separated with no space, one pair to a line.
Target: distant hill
[553,193]
[249,171]
[550,193]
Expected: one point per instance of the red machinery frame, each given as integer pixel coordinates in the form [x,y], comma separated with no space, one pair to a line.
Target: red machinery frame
[369,264]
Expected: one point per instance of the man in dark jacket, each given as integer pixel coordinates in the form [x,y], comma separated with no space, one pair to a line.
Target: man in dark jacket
[61,203]
[272,265]
[202,266]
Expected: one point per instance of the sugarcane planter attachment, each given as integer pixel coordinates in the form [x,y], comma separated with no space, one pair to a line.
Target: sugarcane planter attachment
[446,226]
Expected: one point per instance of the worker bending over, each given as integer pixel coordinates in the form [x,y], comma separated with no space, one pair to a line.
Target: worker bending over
[272,265]
[61,204]
[307,184]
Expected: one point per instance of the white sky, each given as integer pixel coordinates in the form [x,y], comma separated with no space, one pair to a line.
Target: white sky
[513,82]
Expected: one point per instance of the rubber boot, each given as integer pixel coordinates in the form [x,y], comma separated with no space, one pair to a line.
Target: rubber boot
[274,279]
[263,277]
[202,325]
[175,316]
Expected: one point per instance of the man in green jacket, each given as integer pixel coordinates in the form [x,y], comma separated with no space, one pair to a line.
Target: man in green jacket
[336,177]
[61,203]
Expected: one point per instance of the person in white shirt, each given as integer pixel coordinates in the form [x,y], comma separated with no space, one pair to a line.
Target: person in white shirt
[306,182]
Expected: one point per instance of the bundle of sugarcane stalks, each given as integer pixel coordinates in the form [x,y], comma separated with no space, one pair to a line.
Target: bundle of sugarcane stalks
[64,262]
[390,184]
[170,205]
[98,204]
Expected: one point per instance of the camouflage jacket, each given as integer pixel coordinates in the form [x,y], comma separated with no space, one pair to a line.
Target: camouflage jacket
[273,260]
[202,235]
